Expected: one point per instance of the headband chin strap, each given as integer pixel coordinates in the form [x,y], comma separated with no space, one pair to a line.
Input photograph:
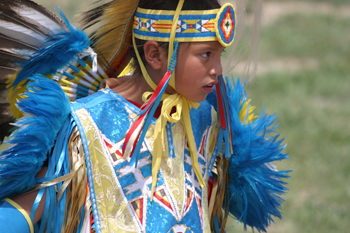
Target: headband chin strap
[142,66]
[170,51]
[172,39]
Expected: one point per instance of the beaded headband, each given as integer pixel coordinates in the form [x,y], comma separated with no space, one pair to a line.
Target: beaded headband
[192,25]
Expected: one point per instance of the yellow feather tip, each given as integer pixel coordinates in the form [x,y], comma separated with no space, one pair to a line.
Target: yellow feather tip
[243,113]
[14,94]
[114,22]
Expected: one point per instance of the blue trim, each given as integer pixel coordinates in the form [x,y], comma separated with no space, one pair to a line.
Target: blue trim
[89,171]
[68,75]
[74,68]
[169,134]
[83,88]
[199,17]
[221,33]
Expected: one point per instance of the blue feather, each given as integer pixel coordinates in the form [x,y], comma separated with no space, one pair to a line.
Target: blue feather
[57,52]
[46,107]
[254,184]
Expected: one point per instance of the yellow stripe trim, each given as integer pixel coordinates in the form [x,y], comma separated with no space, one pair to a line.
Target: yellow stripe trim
[105,76]
[66,89]
[87,67]
[96,83]
[23,212]
[163,39]
[99,79]
[64,82]
[183,12]
[81,73]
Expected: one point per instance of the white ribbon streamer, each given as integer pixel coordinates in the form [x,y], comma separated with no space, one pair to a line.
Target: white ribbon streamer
[90,52]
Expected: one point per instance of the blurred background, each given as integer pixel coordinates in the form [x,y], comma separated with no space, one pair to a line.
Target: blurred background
[304,76]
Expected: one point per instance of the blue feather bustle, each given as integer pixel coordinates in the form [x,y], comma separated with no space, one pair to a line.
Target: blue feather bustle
[57,52]
[254,185]
[46,108]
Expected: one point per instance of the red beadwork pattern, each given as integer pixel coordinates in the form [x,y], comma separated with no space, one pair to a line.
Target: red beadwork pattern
[228,24]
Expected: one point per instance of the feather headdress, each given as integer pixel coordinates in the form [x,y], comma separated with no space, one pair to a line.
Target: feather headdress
[112,40]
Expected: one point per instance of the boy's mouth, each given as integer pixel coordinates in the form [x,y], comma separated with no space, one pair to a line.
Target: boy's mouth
[209,88]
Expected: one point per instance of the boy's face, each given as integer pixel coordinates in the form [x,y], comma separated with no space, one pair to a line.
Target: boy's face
[197,69]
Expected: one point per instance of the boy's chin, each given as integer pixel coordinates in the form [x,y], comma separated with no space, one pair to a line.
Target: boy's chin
[198,99]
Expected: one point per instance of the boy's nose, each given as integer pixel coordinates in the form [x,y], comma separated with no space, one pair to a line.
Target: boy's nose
[216,68]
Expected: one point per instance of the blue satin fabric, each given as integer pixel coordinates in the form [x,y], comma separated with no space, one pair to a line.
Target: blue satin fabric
[11,219]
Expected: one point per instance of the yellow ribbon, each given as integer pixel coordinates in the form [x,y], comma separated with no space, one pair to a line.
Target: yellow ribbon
[182,108]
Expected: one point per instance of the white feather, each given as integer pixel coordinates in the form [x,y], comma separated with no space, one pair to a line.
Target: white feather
[25,34]
[39,18]
[24,52]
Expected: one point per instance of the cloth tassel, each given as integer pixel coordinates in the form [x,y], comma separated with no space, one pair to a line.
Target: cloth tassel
[145,117]
[183,107]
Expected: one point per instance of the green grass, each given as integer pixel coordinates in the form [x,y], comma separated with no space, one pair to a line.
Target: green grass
[314,111]
[323,37]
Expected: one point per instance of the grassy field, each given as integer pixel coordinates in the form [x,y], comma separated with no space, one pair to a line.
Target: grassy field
[304,76]
[304,62]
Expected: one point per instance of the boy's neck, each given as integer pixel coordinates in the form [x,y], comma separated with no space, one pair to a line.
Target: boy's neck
[130,87]
[133,87]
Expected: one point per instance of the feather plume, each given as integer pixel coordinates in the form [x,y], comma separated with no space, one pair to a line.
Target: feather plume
[254,184]
[46,107]
[113,39]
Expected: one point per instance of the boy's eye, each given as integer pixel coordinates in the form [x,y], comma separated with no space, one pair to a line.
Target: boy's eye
[206,54]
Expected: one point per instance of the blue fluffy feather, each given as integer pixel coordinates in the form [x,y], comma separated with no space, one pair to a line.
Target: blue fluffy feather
[254,184]
[56,53]
[46,107]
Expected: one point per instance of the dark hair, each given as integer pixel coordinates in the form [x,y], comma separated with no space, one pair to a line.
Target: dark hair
[167,5]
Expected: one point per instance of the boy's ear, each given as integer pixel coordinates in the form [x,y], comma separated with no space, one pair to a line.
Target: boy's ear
[155,55]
